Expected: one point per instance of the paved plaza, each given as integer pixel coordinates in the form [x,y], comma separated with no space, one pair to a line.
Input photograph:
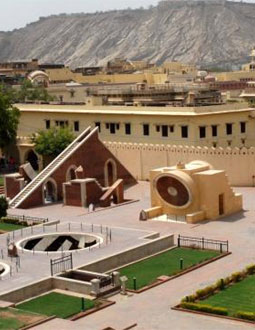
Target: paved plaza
[150,309]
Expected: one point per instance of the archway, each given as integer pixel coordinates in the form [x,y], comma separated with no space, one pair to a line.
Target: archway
[110,172]
[32,158]
[70,173]
[49,190]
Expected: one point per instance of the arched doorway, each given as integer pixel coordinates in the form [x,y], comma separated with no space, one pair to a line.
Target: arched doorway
[32,159]
[70,173]
[110,172]
[49,191]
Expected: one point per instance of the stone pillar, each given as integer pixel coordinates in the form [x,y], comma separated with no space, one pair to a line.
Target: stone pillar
[95,290]
[116,278]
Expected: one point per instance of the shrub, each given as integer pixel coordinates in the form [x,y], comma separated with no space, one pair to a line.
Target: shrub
[206,291]
[237,276]
[10,220]
[220,284]
[190,298]
[3,207]
[250,269]
[227,280]
[14,221]
[205,308]
[245,315]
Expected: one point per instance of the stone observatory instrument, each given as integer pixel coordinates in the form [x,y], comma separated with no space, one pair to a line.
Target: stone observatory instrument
[185,191]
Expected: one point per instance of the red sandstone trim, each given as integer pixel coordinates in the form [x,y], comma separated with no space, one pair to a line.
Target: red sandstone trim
[104,304]
[180,309]
[32,325]
[190,269]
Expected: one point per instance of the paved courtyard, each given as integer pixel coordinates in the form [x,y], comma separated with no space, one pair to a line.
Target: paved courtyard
[151,309]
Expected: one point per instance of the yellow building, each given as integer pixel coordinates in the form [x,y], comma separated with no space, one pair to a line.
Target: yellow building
[64,75]
[230,125]
[246,74]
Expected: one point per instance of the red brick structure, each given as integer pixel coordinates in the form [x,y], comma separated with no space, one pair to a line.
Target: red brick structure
[88,155]
[13,184]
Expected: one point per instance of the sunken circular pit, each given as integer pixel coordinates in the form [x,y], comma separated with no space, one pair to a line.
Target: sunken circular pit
[4,269]
[59,242]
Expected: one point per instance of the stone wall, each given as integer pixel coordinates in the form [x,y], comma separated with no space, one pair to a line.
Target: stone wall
[139,159]
[29,291]
[131,255]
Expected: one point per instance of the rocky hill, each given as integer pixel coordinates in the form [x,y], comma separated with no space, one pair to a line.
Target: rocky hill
[190,31]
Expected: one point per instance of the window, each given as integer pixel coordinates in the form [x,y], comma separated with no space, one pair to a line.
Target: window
[229,143]
[128,129]
[61,123]
[98,124]
[72,92]
[164,130]
[214,130]
[202,132]
[47,123]
[171,128]
[185,131]
[243,127]
[76,126]
[112,128]
[157,128]
[146,129]
[107,125]
[117,126]
[229,129]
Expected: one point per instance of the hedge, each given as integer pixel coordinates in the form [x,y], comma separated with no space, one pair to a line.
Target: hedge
[245,315]
[250,269]
[13,221]
[220,284]
[205,308]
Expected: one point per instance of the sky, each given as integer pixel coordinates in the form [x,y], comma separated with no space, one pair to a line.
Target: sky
[17,13]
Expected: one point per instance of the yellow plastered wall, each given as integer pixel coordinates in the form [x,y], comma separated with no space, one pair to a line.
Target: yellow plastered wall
[65,74]
[238,163]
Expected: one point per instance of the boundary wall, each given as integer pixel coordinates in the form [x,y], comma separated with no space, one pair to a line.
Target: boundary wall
[155,245]
[139,159]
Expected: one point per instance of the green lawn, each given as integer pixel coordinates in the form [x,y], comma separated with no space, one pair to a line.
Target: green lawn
[167,263]
[238,297]
[1,181]
[9,226]
[7,323]
[12,319]
[58,304]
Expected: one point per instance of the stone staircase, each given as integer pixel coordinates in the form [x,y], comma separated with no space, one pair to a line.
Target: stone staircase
[46,173]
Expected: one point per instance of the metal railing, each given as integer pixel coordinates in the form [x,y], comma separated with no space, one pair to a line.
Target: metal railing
[61,264]
[203,243]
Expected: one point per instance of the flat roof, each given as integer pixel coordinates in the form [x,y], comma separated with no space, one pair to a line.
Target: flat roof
[133,110]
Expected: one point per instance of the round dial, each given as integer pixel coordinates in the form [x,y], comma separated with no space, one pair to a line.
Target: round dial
[172,191]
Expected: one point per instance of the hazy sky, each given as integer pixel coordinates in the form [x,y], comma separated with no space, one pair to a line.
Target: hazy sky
[17,13]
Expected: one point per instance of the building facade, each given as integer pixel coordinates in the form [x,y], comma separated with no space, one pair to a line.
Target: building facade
[231,125]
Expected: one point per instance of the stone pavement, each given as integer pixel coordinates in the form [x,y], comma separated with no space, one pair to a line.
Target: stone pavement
[151,309]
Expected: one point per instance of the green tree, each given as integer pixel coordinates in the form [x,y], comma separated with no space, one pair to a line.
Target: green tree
[28,92]
[9,120]
[3,207]
[53,141]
